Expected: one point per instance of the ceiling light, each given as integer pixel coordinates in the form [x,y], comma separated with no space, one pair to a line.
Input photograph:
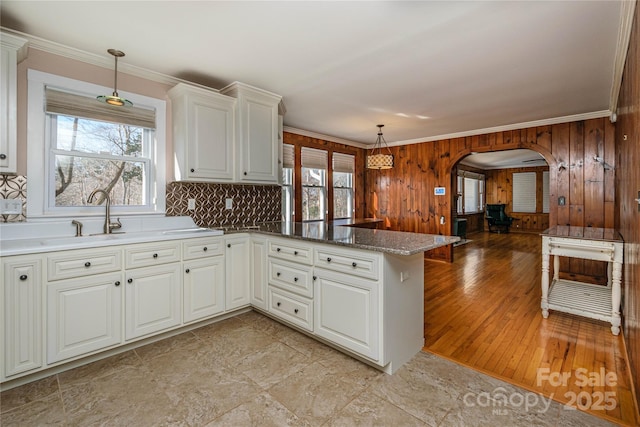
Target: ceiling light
[377,159]
[114,99]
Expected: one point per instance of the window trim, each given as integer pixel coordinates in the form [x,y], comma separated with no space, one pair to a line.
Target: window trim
[39,152]
[460,187]
[324,208]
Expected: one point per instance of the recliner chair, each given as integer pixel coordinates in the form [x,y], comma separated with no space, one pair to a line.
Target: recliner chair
[498,219]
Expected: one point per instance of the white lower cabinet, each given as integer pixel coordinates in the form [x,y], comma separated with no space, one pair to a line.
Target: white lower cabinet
[237,271]
[85,315]
[203,288]
[258,248]
[346,312]
[152,299]
[22,321]
[203,278]
[292,308]
[66,305]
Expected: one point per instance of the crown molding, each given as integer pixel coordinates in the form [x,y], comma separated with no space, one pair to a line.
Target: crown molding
[626,18]
[323,137]
[99,60]
[523,125]
[622,47]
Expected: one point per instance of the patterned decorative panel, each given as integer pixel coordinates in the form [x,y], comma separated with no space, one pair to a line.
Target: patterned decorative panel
[14,187]
[251,203]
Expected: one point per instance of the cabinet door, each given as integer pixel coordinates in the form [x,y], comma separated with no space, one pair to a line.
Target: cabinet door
[256,133]
[10,45]
[259,272]
[203,288]
[84,315]
[22,294]
[237,272]
[152,299]
[347,312]
[259,142]
[210,141]
[203,133]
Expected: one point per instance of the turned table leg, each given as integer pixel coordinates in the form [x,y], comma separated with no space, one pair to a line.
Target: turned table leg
[616,277]
[544,304]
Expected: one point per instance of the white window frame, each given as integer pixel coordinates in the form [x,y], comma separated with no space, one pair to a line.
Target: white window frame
[344,163]
[461,205]
[313,158]
[39,162]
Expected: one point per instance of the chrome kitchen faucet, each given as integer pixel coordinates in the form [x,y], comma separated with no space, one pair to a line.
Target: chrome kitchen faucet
[108,225]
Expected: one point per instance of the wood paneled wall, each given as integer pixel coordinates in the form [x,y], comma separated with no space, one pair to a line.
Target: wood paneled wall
[299,141]
[499,189]
[627,190]
[404,197]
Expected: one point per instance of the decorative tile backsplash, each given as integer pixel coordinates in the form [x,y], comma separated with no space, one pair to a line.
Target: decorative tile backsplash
[14,187]
[251,203]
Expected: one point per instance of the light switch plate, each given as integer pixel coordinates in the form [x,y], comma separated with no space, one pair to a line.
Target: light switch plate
[228,203]
[10,206]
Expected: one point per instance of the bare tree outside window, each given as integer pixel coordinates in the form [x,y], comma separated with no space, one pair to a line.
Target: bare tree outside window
[313,194]
[91,154]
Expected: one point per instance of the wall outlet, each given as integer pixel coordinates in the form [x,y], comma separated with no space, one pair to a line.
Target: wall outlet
[191,204]
[228,203]
[404,275]
[10,206]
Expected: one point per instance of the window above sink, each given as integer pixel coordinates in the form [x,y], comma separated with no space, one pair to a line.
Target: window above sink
[78,150]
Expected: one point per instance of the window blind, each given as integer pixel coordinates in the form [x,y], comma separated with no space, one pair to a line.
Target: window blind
[69,104]
[469,174]
[343,162]
[524,192]
[545,192]
[313,158]
[288,156]
[471,195]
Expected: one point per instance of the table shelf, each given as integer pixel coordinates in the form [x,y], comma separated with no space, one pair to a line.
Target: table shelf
[582,299]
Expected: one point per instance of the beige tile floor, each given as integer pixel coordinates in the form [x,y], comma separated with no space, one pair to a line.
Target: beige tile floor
[251,370]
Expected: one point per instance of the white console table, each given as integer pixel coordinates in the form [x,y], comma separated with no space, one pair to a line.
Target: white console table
[583,299]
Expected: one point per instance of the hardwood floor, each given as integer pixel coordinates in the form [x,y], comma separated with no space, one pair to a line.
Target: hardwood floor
[483,311]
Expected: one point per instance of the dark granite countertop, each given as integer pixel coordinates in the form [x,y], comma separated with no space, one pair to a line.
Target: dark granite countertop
[394,242]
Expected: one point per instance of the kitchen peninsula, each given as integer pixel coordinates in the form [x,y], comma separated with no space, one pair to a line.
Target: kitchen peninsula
[357,289]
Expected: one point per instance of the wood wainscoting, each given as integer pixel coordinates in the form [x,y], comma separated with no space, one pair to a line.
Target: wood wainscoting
[483,311]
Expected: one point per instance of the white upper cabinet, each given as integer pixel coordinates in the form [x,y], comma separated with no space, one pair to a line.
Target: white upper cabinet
[13,49]
[202,134]
[226,136]
[256,132]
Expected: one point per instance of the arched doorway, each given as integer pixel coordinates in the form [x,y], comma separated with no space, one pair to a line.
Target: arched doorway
[519,178]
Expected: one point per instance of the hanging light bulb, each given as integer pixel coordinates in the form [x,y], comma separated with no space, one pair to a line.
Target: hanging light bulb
[115,99]
[378,159]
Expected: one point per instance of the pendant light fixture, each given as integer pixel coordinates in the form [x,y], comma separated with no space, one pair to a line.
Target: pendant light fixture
[378,159]
[115,99]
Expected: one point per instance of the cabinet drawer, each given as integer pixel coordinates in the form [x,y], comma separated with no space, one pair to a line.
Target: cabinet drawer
[285,249]
[292,277]
[152,254]
[70,264]
[357,263]
[201,248]
[291,308]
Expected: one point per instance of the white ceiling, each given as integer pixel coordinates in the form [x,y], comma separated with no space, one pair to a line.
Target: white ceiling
[422,68]
[505,159]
